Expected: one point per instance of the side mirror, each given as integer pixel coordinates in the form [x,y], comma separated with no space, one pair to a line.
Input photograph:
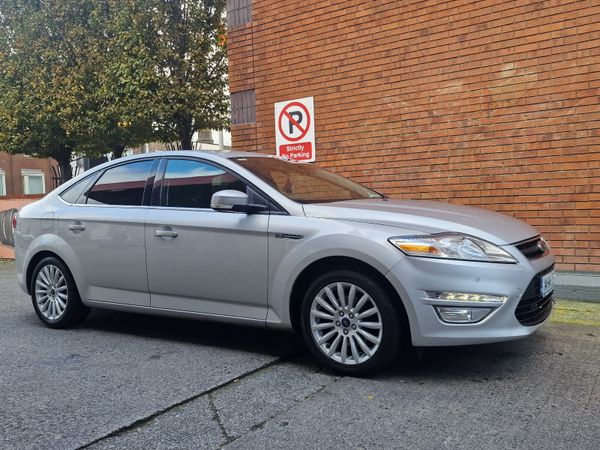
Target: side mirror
[236,201]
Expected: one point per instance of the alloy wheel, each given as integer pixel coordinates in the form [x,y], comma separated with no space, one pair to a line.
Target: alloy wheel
[346,323]
[51,292]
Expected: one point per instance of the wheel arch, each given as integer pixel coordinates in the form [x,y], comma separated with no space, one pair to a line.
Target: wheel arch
[326,264]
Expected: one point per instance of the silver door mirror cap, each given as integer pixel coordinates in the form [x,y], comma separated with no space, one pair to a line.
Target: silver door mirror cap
[235,201]
[229,200]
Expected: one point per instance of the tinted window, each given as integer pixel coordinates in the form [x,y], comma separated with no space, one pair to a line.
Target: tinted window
[191,184]
[305,183]
[121,185]
[72,194]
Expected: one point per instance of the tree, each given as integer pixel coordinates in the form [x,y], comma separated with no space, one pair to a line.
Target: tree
[88,77]
[191,59]
[44,83]
[127,89]
[75,78]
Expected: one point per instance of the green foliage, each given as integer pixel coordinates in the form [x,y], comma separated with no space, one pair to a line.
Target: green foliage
[127,89]
[93,76]
[190,53]
[43,79]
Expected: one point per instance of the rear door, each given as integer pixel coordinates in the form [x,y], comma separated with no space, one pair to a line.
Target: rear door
[201,260]
[105,231]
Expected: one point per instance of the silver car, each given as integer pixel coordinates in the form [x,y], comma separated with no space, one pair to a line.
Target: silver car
[253,239]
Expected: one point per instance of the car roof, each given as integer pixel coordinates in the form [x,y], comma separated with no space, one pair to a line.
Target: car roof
[229,154]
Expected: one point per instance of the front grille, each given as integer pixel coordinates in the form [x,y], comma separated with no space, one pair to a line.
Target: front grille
[533,309]
[533,248]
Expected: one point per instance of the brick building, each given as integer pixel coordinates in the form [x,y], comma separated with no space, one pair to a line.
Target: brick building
[489,103]
[22,175]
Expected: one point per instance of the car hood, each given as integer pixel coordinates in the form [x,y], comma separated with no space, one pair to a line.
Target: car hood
[427,217]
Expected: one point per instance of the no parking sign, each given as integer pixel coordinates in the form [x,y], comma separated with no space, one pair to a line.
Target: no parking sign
[295,129]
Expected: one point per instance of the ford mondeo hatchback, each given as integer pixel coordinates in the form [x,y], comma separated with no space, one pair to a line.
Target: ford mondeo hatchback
[249,238]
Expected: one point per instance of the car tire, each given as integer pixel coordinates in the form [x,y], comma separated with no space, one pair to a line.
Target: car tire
[55,297]
[342,337]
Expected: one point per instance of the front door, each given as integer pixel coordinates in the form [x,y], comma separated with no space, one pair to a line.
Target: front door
[201,260]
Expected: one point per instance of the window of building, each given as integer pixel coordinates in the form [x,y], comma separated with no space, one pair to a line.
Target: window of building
[34,182]
[2,183]
[243,107]
[121,185]
[239,12]
[191,184]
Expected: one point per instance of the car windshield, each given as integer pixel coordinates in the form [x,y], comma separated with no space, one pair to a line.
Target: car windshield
[305,183]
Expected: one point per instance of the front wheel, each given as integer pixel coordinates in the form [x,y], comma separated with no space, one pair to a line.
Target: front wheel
[350,323]
[54,295]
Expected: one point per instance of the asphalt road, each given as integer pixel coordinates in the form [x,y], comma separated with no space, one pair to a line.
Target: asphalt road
[136,382]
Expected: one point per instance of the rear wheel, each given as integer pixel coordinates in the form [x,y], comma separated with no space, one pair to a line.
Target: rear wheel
[54,295]
[350,323]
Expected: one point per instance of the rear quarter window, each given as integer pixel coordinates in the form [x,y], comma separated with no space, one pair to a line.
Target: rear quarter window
[74,193]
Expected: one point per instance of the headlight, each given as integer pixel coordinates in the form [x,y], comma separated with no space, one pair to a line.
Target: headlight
[452,246]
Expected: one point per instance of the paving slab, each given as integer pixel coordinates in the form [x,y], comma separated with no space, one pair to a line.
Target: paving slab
[67,388]
[137,382]
[582,286]
[539,393]
[224,415]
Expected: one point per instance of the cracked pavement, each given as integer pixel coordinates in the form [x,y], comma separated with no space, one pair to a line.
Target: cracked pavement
[127,381]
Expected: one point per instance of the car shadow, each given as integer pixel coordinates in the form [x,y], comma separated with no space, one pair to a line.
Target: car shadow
[199,332]
[477,363]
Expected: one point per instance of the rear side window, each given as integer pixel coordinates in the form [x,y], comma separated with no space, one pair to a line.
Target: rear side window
[121,185]
[191,184]
[72,194]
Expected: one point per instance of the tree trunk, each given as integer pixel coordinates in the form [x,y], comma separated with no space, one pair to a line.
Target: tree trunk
[64,163]
[186,142]
[117,151]
[185,130]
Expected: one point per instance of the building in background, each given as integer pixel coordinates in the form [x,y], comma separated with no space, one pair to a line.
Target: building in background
[22,175]
[486,103]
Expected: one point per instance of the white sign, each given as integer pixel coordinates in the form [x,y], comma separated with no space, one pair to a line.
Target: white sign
[295,129]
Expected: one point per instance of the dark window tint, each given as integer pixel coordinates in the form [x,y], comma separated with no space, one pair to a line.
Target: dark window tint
[191,184]
[74,192]
[122,185]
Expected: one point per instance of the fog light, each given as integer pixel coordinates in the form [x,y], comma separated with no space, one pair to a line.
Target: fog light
[462,315]
[466,297]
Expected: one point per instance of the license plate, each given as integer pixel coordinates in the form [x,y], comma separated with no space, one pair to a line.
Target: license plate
[547,284]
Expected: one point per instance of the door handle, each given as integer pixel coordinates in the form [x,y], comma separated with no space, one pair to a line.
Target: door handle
[76,227]
[166,233]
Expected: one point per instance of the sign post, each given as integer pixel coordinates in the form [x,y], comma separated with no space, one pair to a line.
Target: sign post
[295,129]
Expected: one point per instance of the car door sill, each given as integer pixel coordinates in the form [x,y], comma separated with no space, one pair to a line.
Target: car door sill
[175,313]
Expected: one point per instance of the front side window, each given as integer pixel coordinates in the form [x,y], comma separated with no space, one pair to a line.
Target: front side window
[121,185]
[305,183]
[2,183]
[33,182]
[191,184]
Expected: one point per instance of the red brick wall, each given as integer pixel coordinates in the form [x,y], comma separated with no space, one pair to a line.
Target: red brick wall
[488,103]
[12,165]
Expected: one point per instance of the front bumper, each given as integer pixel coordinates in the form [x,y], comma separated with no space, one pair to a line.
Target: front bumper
[414,277]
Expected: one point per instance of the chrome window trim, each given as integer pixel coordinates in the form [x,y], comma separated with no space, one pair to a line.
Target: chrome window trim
[158,176]
[167,208]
